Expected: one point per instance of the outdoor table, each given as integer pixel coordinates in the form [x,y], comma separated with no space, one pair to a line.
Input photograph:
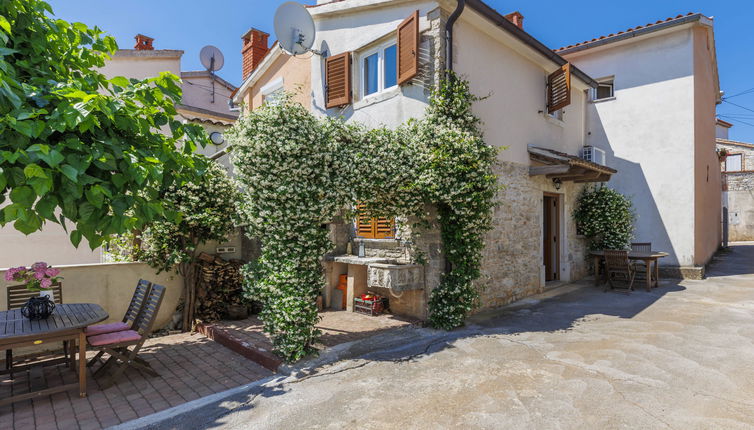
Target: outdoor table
[647,257]
[68,322]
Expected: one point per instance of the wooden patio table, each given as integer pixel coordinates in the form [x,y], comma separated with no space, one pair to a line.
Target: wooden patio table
[68,322]
[647,257]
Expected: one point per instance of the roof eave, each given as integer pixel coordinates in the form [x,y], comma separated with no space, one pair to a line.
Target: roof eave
[268,59]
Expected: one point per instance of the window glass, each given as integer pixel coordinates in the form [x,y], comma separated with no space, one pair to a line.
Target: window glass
[733,163]
[371,74]
[604,91]
[391,67]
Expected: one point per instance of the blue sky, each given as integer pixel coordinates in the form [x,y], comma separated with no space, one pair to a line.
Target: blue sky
[191,24]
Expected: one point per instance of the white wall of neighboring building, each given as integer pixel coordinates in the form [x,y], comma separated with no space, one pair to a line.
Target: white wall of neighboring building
[647,131]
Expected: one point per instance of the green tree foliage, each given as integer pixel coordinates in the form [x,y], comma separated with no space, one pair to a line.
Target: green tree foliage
[77,146]
[208,213]
[605,217]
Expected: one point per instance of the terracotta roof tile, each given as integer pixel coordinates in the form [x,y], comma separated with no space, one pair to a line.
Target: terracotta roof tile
[638,27]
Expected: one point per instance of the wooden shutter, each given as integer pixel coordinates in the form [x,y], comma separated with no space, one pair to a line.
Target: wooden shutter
[559,89]
[408,48]
[373,228]
[338,80]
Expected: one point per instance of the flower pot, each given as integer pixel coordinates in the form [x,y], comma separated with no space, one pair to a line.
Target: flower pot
[38,308]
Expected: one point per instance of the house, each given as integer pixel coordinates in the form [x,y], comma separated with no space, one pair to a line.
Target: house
[736,161]
[653,115]
[645,124]
[205,102]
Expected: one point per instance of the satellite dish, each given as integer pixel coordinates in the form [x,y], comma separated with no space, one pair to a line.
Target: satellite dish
[294,28]
[212,59]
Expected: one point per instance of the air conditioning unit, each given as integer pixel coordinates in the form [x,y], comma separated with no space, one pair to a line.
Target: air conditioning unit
[595,155]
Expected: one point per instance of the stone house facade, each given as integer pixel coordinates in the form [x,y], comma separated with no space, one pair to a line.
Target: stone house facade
[737,184]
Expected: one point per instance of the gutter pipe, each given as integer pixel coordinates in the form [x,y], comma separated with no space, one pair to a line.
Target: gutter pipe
[449,35]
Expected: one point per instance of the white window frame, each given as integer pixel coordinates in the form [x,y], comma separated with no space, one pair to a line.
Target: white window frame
[608,80]
[741,162]
[271,88]
[380,51]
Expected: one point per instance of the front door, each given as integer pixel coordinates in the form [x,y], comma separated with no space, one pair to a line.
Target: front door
[551,236]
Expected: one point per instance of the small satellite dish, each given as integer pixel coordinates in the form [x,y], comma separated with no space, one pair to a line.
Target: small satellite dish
[212,59]
[294,28]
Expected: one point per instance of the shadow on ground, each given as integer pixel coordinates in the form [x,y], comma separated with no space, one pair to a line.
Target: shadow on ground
[554,311]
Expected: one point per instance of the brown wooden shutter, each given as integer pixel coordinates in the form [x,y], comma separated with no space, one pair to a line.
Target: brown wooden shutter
[373,228]
[559,89]
[338,80]
[408,48]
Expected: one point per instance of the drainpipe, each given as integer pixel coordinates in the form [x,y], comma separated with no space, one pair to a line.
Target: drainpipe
[449,34]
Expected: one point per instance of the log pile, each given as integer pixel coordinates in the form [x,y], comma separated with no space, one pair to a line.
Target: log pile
[219,284]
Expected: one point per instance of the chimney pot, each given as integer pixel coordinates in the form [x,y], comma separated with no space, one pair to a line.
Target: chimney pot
[255,48]
[516,18]
[143,43]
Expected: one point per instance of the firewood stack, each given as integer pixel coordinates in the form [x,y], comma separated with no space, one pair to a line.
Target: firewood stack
[219,284]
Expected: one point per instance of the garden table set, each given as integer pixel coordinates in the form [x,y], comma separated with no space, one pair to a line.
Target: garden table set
[627,264]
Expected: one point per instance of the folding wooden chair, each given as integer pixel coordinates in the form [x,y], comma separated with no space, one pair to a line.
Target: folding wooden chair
[129,319]
[639,267]
[123,346]
[17,296]
[617,266]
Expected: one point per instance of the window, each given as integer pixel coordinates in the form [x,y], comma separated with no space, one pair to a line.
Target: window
[734,163]
[604,90]
[379,69]
[373,228]
[273,91]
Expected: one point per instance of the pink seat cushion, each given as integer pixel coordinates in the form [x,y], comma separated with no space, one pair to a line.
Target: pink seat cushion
[113,338]
[106,328]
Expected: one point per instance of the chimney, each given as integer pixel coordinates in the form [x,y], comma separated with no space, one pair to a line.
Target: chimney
[516,18]
[254,50]
[143,43]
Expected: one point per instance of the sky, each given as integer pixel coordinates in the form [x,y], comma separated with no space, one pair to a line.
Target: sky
[190,24]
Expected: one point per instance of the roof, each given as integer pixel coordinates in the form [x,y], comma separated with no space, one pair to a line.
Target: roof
[734,143]
[252,79]
[724,123]
[567,167]
[633,32]
[161,53]
[193,113]
[206,74]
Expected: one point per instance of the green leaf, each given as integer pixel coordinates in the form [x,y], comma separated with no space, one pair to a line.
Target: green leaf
[70,172]
[34,171]
[4,24]
[23,195]
[95,196]
[41,185]
[3,181]
[31,223]
[76,238]
[119,81]
[86,210]
[53,158]
[46,207]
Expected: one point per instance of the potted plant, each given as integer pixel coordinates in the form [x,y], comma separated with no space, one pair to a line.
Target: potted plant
[722,154]
[38,278]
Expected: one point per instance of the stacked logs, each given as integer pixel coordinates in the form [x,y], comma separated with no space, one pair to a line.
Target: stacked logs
[219,285]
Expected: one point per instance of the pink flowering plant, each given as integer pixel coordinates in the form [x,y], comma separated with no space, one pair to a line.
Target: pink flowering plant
[38,277]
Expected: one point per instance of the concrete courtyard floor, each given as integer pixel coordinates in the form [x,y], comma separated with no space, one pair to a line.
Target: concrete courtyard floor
[679,357]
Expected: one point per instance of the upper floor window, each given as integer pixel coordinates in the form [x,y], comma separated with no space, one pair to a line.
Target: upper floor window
[734,163]
[273,91]
[379,69]
[605,90]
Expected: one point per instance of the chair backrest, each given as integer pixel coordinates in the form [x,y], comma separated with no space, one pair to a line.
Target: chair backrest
[616,261]
[140,294]
[641,246]
[144,322]
[18,295]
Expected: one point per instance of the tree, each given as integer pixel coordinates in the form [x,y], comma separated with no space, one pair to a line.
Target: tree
[208,208]
[77,146]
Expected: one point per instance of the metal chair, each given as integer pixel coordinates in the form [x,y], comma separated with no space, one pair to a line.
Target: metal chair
[618,267]
[117,344]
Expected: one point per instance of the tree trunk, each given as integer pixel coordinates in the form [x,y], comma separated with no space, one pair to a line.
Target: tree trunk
[188,270]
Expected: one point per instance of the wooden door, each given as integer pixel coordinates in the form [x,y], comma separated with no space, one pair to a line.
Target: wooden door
[551,236]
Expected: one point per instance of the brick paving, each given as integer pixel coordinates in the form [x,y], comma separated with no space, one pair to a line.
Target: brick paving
[190,366]
[337,327]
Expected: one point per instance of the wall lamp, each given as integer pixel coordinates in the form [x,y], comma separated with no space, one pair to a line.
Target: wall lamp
[557,183]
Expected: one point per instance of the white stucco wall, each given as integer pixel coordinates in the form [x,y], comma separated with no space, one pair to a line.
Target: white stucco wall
[647,132]
[721,132]
[351,32]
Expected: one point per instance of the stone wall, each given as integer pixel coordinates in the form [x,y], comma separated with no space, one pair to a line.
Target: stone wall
[739,198]
[512,265]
